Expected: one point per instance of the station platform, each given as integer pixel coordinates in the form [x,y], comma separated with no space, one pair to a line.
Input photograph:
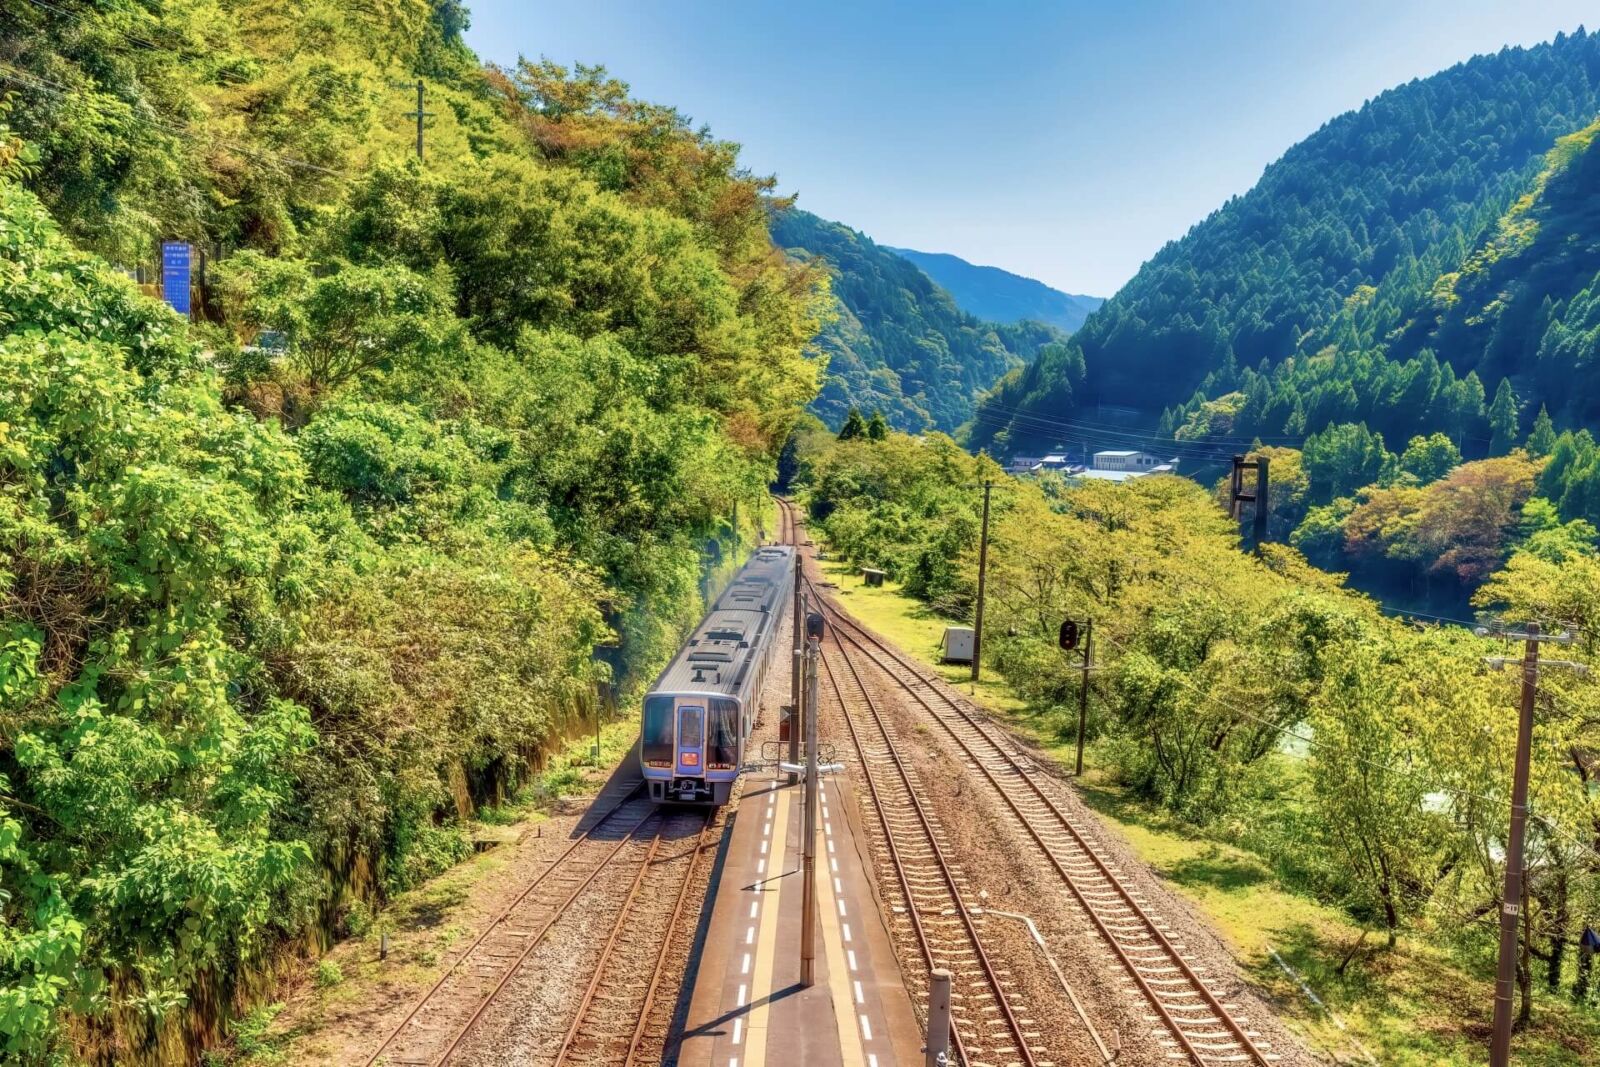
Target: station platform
[747,1008]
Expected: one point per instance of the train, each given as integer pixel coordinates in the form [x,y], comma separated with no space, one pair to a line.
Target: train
[698,716]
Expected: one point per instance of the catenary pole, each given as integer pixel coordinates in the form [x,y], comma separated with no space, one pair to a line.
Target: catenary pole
[808,893]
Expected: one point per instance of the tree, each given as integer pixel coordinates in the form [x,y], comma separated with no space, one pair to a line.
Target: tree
[877,428]
[1342,459]
[1430,458]
[1503,434]
[1542,439]
[854,426]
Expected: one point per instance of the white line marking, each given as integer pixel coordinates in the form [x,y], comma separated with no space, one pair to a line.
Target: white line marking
[744,968]
[742,993]
[850,952]
[835,864]
[763,848]
[755,907]
[830,844]
[859,998]
[872,1059]
[866,1027]
[841,907]
[750,936]
[837,888]
[738,1030]
[846,931]
[761,868]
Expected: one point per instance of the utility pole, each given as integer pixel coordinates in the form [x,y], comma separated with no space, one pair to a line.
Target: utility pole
[419,115]
[1083,693]
[983,573]
[808,893]
[1259,497]
[1511,904]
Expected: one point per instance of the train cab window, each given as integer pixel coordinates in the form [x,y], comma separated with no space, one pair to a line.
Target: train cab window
[657,733]
[723,750]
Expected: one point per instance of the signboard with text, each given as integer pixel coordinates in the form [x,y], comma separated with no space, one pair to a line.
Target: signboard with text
[175,273]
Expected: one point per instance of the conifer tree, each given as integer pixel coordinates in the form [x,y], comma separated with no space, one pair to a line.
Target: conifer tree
[1543,437]
[877,428]
[854,426]
[1503,420]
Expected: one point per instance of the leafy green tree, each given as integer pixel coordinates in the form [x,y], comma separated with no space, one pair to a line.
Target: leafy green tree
[1344,458]
[854,426]
[1503,420]
[1427,459]
[877,428]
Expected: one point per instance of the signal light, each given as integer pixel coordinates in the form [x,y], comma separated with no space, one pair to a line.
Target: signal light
[1068,638]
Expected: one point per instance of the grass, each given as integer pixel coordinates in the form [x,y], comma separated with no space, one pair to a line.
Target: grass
[1421,1005]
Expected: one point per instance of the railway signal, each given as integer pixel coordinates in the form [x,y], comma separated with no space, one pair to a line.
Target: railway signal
[1068,639]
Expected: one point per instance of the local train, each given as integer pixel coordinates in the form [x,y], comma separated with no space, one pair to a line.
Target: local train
[699,713]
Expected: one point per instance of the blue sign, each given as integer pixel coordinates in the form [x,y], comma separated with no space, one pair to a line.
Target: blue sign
[175,259]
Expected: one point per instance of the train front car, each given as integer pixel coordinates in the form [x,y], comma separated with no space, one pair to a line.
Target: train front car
[699,714]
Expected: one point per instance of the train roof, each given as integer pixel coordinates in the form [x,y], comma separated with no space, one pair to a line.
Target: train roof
[717,656]
[761,582]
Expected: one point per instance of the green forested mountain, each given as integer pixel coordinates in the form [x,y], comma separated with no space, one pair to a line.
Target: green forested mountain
[899,343]
[1330,257]
[274,622]
[1000,296]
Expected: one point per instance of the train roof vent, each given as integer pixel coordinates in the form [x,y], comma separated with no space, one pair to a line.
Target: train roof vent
[726,633]
[710,657]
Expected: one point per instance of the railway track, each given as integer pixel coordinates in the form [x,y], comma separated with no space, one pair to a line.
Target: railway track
[1194,1021]
[612,1020]
[437,1026]
[985,1024]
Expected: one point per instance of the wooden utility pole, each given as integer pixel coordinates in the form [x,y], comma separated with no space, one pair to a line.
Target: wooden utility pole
[1511,903]
[983,573]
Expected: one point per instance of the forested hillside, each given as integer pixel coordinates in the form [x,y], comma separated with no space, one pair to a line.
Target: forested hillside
[275,619]
[1331,257]
[899,344]
[1000,296]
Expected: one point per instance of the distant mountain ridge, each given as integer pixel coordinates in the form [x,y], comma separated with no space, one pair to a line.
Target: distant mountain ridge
[900,343]
[998,295]
[1316,295]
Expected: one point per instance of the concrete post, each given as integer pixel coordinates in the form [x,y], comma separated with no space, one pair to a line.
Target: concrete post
[938,1043]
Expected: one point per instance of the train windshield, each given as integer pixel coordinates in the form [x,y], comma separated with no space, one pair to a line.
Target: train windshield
[691,727]
[724,747]
[657,732]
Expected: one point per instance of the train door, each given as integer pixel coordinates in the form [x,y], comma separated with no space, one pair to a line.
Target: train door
[691,740]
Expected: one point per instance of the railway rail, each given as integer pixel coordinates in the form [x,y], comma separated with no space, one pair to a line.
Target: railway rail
[441,1021]
[610,1025]
[931,888]
[1196,1021]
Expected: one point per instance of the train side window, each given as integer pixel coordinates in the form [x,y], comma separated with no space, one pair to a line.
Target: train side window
[656,739]
[724,747]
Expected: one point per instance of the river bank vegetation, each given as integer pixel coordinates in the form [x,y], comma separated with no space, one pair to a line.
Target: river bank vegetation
[1255,701]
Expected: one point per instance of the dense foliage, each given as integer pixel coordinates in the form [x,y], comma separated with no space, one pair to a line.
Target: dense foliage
[899,344]
[1339,254]
[284,596]
[1365,758]
[1000,296]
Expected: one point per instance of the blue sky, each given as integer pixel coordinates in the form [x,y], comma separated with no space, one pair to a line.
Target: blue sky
[1062,140]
